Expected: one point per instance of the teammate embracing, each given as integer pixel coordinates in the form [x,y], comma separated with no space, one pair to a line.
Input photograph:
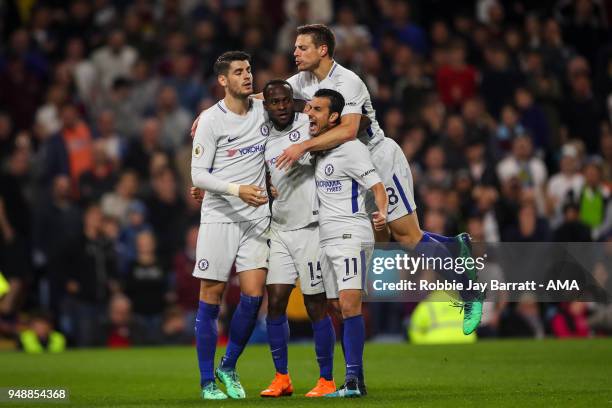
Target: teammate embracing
[294,245]
[314,50]
[228,162]
[343,175]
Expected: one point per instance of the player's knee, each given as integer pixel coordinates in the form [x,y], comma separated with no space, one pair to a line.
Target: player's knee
[350,310]
[333,306]
[211,292]
[350,303]
[316,306]
[407,236]
[276,307]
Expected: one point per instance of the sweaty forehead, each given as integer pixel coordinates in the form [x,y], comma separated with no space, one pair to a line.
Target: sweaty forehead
[304,39]
[319,102]
[234,65]
[277,91]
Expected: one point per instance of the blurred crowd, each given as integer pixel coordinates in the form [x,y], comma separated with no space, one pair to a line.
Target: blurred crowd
[503,109]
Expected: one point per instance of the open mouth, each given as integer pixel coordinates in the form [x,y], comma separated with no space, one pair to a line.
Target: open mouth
[312,127]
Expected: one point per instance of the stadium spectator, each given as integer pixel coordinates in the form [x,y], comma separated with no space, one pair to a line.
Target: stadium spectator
[188,88]
[57,223]
[456,80]
[167,215]
[499,79]
[40,336]
[101,178]
[140,150]
[121,329]
[146,284]
[48,116]
[507,130]
[186,289]
[570,320]
[116,203]
[529,228]
[572,229]
[175,121]
[114,144]
[175,330]
[523,320]
[91,278]
[137,223]
[69,151]
[594,200]
[114,59]
[527,168]
[144,88]
[16,224]
[22,91]
[433,322]
[565,186]
[532,118]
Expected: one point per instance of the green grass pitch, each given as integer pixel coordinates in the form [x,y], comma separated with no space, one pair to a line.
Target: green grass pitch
[548,373]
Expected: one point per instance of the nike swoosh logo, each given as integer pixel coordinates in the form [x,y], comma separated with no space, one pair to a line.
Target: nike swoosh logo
[198,320]
[276,350]
[314,284]
[345,278]
[390,211]
[230,140]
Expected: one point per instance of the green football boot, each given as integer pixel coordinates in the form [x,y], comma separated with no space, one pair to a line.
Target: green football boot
[472,314]
[229,378]
[472,309]
[211,392]
[350,389]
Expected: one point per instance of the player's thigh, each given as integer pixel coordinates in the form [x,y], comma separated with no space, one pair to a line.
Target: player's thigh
[406,230]
[394,171]
[252,256]
[328,274]
[281,267]
[306,252]
[216,250]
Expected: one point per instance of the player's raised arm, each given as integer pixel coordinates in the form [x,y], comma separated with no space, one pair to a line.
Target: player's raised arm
[202,158]
[345,131]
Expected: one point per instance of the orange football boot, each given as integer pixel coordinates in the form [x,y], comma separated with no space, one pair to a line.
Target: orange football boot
[280,387]
[322,388]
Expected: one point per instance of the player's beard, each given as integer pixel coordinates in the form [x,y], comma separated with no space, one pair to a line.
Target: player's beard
[237,92]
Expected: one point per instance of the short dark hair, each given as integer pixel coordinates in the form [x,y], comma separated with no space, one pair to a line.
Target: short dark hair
[321,35]
[274,82]
[336,100]
[223,62]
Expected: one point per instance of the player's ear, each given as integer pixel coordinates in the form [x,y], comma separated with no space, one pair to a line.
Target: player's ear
[323,50]
[333,118]
[222,79]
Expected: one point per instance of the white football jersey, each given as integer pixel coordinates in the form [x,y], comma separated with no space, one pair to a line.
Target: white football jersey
[231,147]
[297,204]
[343,175]
[353,89]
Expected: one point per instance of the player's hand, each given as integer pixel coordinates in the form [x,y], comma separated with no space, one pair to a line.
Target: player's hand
[196,194]
[273,191]
[252,195]
[290,155]
[379,220]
